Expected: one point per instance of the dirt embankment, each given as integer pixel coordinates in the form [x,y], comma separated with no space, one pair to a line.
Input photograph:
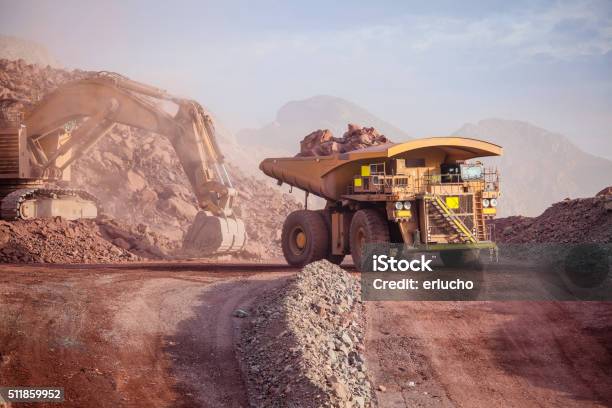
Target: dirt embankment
[57,241]
[303,345]
[578,221]
[81,241]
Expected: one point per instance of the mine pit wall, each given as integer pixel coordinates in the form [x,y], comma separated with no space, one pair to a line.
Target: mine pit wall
[137,178]
[303,346]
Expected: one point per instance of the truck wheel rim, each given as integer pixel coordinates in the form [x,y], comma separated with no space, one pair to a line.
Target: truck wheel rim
[298,240]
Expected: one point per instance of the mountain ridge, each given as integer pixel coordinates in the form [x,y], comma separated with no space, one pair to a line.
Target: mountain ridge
[538,167]
[297,118]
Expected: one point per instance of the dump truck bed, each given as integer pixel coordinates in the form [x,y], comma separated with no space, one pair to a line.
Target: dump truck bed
[329,176]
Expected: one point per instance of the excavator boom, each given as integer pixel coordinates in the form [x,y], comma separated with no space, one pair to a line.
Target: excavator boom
[90,108]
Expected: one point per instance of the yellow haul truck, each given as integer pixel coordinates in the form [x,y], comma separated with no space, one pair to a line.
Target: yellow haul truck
[428,194]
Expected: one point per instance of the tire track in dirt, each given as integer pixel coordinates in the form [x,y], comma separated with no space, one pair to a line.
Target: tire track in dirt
[483,354]
[126,338]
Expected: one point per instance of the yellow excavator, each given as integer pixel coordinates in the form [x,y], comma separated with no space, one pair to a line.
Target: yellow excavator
[37,147]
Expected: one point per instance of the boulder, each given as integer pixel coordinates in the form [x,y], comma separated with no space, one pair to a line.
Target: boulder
[323,143]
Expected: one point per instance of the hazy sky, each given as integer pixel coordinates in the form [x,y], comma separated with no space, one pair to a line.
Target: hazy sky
[427,67]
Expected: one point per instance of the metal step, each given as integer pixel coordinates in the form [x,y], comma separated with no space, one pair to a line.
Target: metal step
[449,221]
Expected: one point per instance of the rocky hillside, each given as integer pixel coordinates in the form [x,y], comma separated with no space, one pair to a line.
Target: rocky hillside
[138,177]
[297,119]
[582,220]
[539,167]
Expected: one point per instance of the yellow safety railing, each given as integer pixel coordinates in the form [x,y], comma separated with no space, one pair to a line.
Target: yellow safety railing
[454,218]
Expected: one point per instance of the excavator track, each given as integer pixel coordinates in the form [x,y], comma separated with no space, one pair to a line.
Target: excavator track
[12,206]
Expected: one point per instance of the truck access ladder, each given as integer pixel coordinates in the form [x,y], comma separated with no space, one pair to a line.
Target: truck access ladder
[481,229]
[445,218]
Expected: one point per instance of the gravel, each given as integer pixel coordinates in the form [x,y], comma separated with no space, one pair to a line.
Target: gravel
[303,346]
[581,220]
[56,240]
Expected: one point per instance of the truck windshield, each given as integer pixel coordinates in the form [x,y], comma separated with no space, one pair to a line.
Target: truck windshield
[471,171]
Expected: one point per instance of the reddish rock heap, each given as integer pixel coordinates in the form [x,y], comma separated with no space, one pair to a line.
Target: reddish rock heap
[323,143]
[582,220]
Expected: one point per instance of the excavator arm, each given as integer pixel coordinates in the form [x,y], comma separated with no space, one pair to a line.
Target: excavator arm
[97,103]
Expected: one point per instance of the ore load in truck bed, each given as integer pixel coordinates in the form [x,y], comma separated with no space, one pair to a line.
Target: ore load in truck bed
[323,143]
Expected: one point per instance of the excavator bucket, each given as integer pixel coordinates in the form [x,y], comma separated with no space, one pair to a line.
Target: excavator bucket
[210,235]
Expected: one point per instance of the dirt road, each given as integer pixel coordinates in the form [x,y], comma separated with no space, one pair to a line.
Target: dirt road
[491,354]
[131,336]
[163,335]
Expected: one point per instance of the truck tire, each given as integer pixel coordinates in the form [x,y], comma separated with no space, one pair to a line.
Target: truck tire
[458,258]
[368,226]
[335,259]
[305,238]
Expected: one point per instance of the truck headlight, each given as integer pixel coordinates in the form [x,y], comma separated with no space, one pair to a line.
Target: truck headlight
[399,205]
[485,202]
[493,202]
[407,205]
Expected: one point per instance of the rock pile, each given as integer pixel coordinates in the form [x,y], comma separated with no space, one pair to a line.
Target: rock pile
[582,220]
[304,346]
[263,209]
[57,241]
[138,178]
[323,143]
[27,83]
[138,239]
